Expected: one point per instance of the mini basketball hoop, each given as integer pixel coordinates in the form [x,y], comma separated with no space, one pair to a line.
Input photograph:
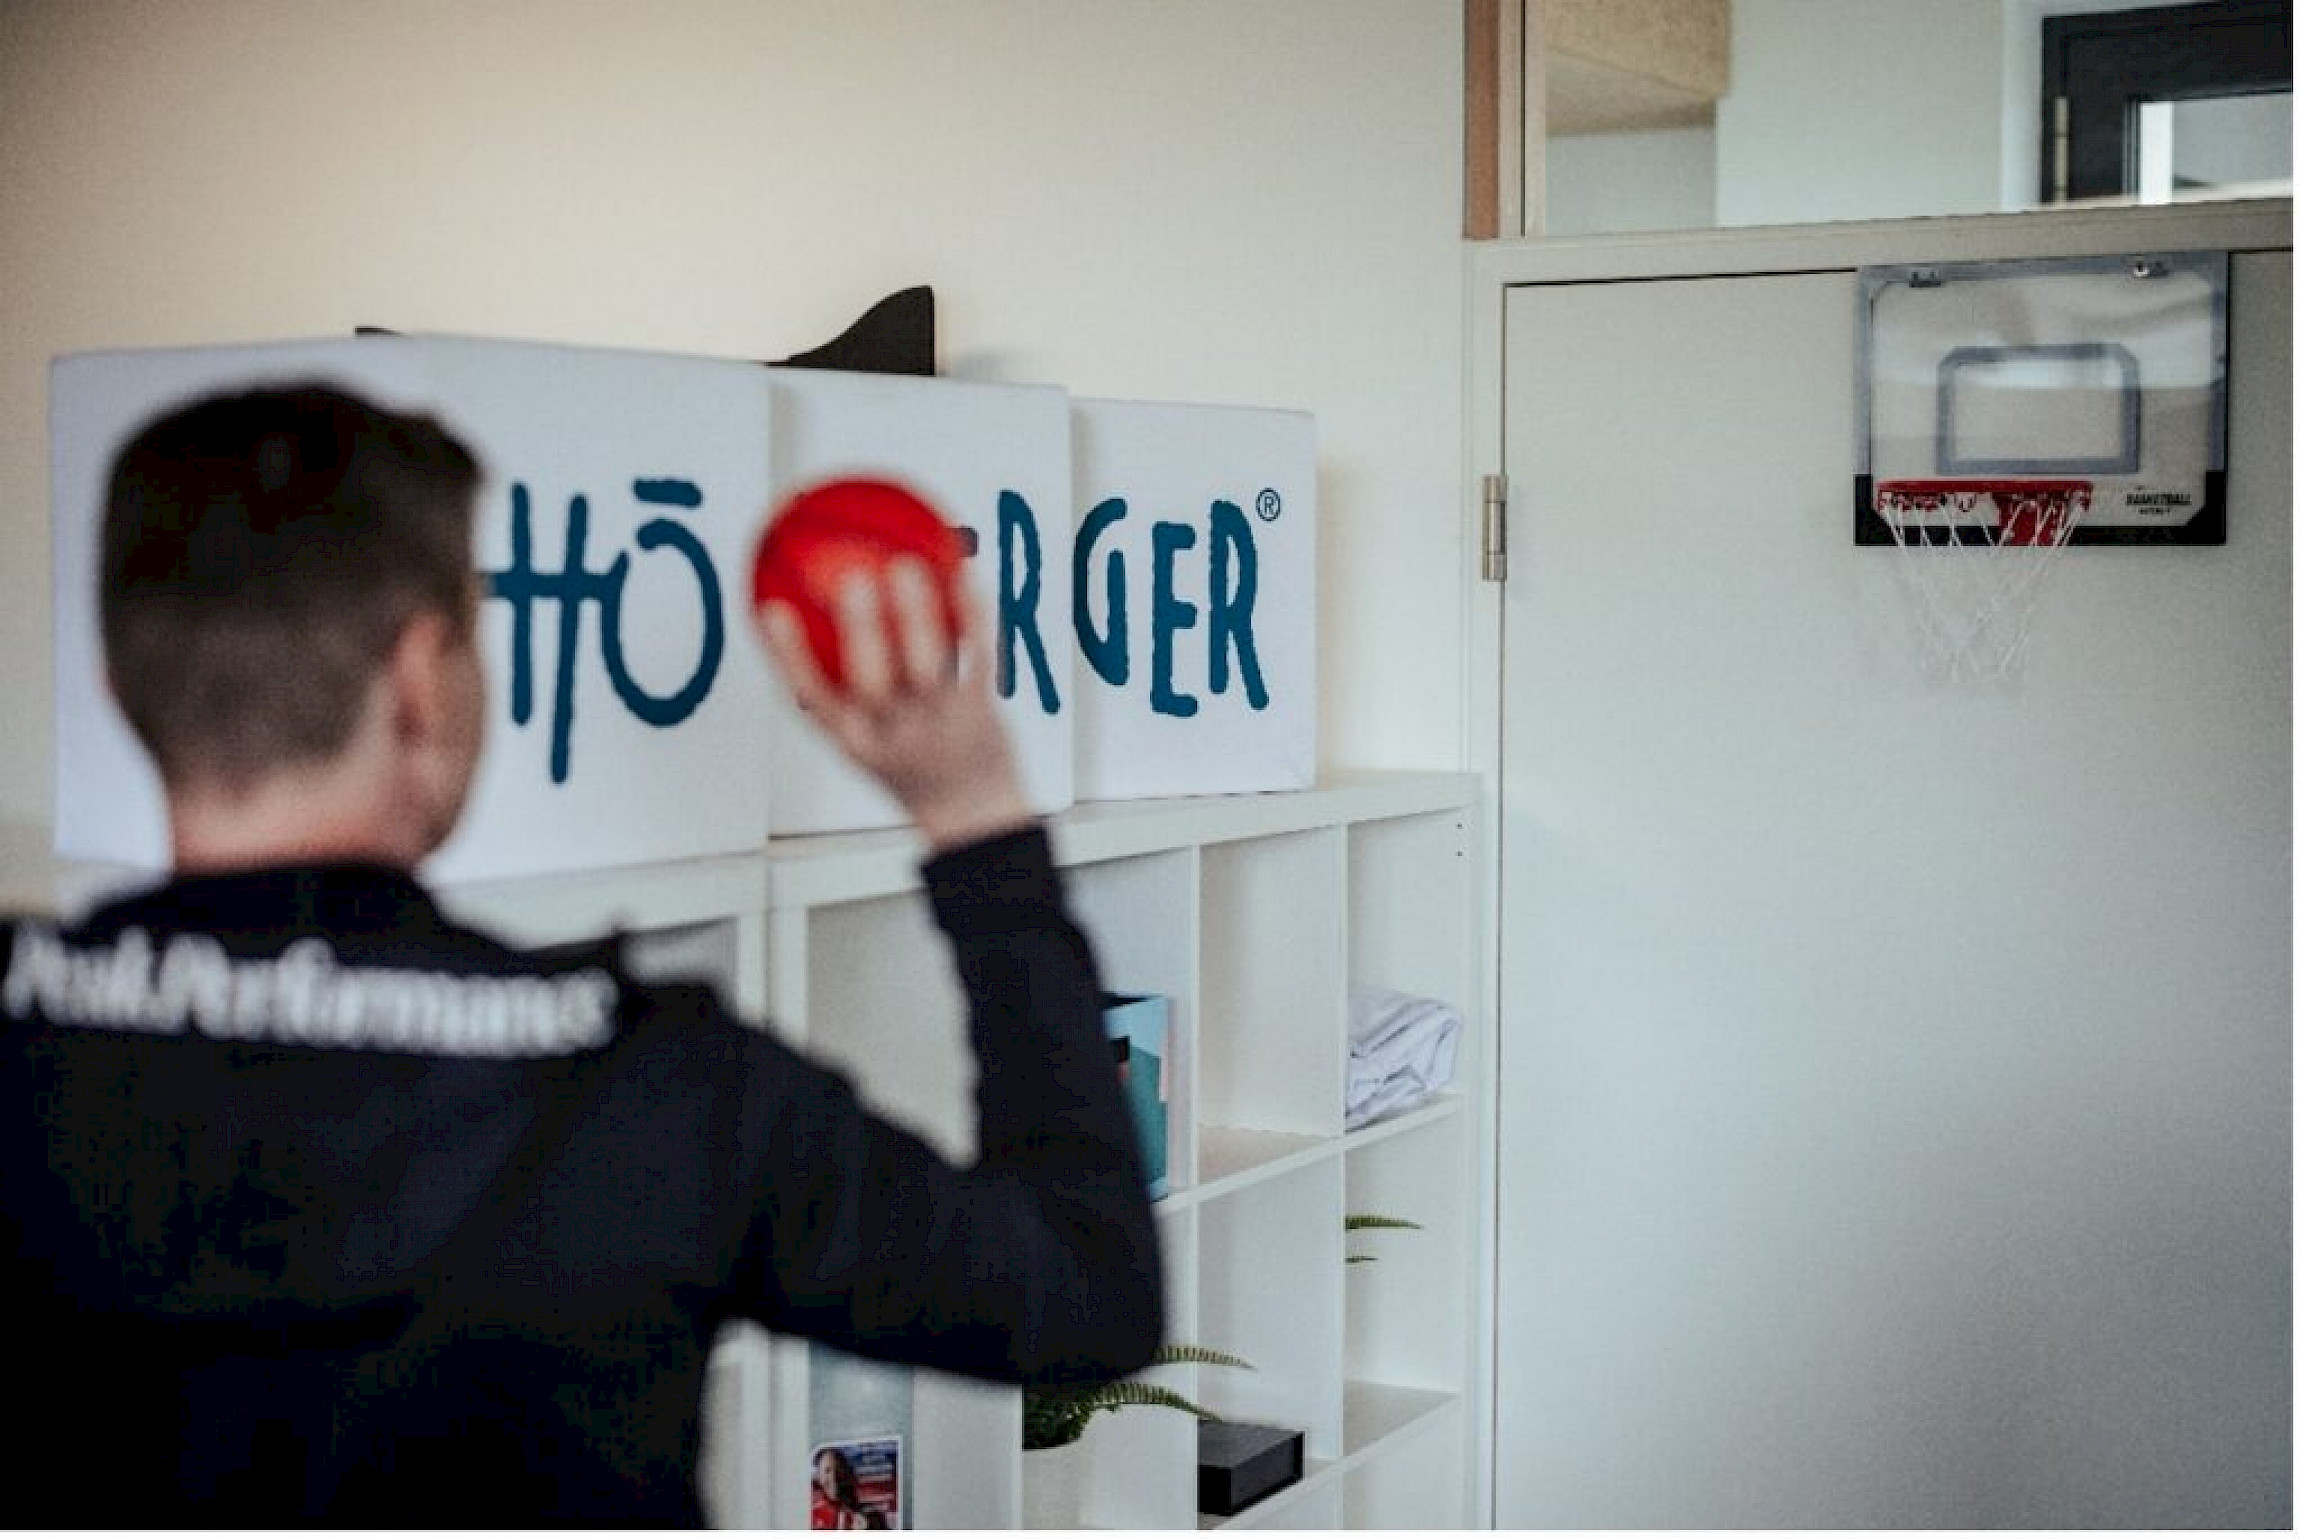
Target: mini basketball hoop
[1977,553]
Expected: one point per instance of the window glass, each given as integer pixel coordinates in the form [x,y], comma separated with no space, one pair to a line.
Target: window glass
[1883,109]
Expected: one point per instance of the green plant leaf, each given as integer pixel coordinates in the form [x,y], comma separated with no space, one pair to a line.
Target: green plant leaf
[1055,1421]
[1356,1221]
[1376,1221]
[1055,1414]
[1178,1352]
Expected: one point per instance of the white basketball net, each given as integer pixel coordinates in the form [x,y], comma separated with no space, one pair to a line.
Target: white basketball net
[1976,554]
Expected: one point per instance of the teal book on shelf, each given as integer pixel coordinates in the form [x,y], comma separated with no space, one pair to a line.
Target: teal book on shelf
[1140,1028]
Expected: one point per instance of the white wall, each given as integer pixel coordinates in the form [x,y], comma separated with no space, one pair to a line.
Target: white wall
[1199,200]
[1860,109]
[1660,179]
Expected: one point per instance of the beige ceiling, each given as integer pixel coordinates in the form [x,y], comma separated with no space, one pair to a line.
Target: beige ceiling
[1585,97]
[1611,66]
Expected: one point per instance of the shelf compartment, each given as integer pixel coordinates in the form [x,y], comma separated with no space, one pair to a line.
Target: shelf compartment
[942,1420]
[1413,1476]
[1140,1462]
[1412,1311]
[737,1460]
[1376,1418]
[1376,1415]
[952,1482]
[1136,911]
[852,1400]
[1273,1005]
[1270,1291]
[881,1012]
[1412,906]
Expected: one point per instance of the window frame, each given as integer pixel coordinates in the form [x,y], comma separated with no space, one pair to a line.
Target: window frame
[2100,66]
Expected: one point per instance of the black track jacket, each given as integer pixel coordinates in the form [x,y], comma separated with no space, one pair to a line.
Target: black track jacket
[326,1209]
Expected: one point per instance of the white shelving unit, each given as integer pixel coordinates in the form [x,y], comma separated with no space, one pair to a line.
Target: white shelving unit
[1252,914]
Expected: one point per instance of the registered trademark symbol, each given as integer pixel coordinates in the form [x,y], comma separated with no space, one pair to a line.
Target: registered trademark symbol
[1267,506]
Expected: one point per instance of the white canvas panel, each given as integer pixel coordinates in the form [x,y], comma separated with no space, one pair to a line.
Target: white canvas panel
[652,743]
[1197,634]
[995,461]
[644,741]
[108,801]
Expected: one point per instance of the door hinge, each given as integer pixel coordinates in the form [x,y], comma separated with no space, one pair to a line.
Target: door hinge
[1493,531]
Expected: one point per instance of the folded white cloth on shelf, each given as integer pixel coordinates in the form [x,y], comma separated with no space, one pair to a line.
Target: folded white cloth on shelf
[1401,1050]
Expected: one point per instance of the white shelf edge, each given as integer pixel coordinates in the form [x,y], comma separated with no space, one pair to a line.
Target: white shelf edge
[1106,830]
[829,868]
[816,870]
[1438,1108]
[1297,1151]
[1289,1152]
[588,904]
[562,905]
[1377,1416]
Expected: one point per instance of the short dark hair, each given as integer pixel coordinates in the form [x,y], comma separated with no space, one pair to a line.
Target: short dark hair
[262,553]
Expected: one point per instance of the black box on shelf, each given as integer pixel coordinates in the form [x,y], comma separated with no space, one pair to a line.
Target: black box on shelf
[1239,1464]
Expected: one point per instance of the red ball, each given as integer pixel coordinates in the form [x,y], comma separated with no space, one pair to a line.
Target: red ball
[824,533]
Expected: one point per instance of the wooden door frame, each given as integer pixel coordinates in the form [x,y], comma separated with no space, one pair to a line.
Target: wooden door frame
[1494,115]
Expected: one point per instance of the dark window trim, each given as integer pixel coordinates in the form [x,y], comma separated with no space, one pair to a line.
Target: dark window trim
[2104,63]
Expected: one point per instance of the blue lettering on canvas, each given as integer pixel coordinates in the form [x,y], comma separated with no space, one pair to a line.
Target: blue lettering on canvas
[1233,585]
[520,585]
[1169,612]
[1104,649]
[1230,605]
[1018,586]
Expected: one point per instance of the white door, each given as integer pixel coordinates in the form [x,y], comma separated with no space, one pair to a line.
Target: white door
[1894,1079]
